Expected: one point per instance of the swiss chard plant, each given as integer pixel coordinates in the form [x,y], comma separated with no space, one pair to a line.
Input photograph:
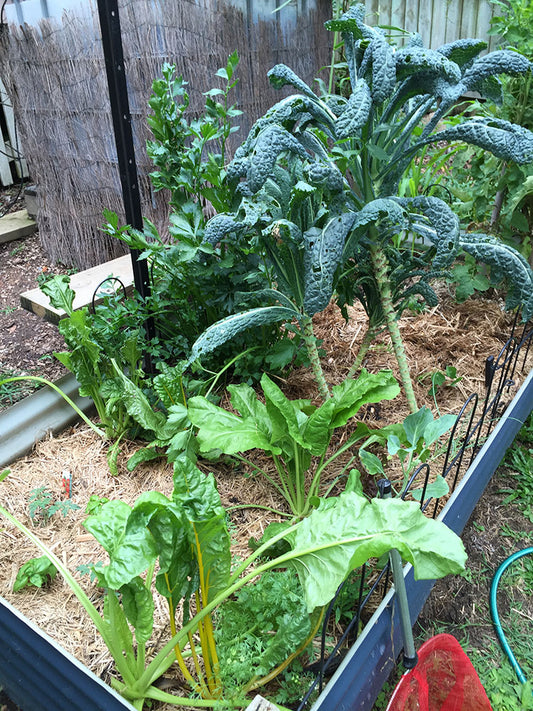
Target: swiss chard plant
[296,434]
[322,178]
[181,547]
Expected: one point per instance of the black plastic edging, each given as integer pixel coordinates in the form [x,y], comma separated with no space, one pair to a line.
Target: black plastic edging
[39,675]
[32,418]
[358,681]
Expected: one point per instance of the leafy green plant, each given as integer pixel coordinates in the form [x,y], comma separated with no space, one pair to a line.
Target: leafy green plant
[91,348]
[296,434]
[190,154]
[320,183]
[412,441]
[493,190]
[37,572]
[446,378]
[42,505]
[185,538]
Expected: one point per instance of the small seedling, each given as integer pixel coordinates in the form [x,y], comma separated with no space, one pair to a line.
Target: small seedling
[37,572]
[42,506]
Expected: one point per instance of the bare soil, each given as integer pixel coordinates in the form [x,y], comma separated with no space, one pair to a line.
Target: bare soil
[26,341]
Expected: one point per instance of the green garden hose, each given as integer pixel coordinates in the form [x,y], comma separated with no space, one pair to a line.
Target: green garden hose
[494,610]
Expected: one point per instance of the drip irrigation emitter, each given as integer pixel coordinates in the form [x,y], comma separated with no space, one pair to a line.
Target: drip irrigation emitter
[494,610]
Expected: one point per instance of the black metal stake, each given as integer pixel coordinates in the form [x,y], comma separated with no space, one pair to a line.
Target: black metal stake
[120,112]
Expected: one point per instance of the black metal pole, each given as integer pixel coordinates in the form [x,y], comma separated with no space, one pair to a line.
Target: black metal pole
[120,112]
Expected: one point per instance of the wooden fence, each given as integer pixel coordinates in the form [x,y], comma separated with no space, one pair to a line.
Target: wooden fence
[53,70]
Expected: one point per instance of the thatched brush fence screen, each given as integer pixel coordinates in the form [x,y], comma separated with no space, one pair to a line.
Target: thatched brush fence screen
[55,75]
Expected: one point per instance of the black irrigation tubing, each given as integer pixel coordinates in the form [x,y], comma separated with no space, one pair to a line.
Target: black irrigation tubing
[506,364]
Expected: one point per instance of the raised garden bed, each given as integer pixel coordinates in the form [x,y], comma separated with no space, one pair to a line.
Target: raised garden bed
[348,689]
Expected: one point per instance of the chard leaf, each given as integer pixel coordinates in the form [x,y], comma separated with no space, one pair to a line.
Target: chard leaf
[138,603]
[227,328]
[356,112]
[244,399]
[108,524]
[198,495]
[350,395]
[138,406]
[219,429]
[503,139]
[506,264]
[283,413]
[332,541]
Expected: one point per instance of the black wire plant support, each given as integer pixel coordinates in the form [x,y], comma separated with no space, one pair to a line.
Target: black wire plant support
[463,444]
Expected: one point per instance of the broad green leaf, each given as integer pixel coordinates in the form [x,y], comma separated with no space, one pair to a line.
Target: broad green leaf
[282,413]
[219,429]
[434,489]
[415,425]
[138,603]
[370,462]
[59,292]
[36,571]
[329,543]
[350,395]
[109,524]
[138,406]
[437,428]
[198,494]
[244,399]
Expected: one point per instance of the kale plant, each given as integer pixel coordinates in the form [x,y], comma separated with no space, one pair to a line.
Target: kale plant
[320,182]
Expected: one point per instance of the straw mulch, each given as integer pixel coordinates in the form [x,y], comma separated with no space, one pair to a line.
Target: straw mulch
[462,336]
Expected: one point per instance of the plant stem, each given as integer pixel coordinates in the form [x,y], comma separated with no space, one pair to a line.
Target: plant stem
[379,262]
[368,338]
[312,352]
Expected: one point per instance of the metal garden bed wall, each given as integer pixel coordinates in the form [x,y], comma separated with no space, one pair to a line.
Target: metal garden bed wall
[359,671]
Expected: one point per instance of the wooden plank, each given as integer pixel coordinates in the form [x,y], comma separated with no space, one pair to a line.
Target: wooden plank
[84,285]
[16,225]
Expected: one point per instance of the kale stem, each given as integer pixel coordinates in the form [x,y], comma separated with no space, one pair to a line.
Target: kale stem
[312,352]
[379,262]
